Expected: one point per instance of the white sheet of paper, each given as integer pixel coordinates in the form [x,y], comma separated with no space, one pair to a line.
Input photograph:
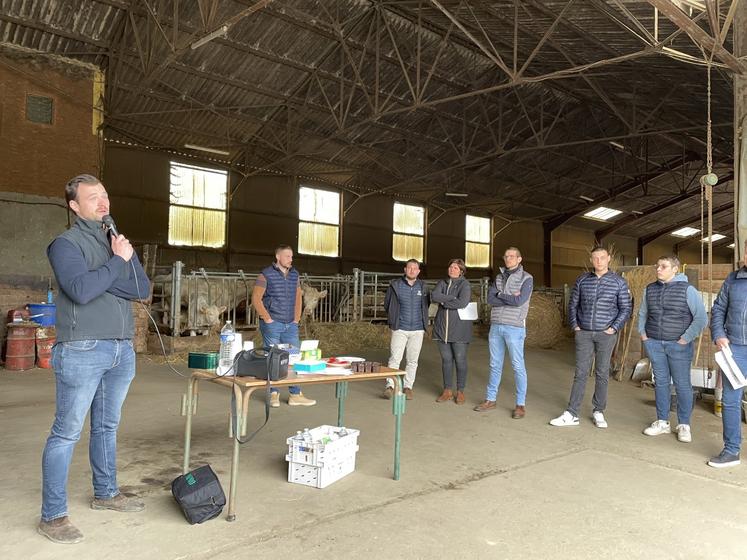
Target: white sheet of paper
[725,361]
[468,313]
[309,345]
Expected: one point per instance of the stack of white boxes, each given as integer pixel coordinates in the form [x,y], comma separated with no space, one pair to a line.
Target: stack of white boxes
[321,456]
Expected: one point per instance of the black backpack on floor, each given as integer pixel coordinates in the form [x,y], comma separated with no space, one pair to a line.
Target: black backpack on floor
[199,494]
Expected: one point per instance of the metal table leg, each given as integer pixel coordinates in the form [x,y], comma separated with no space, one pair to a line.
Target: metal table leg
[188,410]
[398,409]
[341,391]
[239,422]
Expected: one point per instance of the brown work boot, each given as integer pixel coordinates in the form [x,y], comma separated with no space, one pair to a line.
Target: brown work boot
[445,396]
[120,502]
[519,412]
[408,393]
[388,392]
[300,400]
[484,406]
[60,531]
[459,399]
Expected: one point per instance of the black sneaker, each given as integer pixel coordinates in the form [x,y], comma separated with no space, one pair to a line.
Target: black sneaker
[724,459]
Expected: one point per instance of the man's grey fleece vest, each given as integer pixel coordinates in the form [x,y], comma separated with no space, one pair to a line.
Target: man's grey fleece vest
[511,314]
[105,317]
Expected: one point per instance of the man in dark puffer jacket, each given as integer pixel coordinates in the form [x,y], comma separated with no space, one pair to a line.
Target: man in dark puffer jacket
[729,332]
[599,307]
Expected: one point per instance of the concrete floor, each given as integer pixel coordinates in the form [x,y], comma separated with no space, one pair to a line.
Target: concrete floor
[473,485]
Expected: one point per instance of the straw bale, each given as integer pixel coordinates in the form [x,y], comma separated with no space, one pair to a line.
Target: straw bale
[339,339]
[336,339]
[142,320]
[544,322]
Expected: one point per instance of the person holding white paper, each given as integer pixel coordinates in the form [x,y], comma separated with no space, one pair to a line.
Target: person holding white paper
[451,333]
[671,317]
[729,329]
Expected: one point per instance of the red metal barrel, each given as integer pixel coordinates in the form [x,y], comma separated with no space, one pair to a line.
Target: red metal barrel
[18,315]
[19,353]
[45,339]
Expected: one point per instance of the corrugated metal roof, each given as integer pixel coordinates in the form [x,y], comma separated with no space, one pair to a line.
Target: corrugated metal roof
[412,98]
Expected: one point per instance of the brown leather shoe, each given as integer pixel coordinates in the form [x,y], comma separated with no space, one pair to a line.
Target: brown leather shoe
[408,393]
[60,531]
[519,412]
[484,406]
[445,396]
[459,399]
[120,502]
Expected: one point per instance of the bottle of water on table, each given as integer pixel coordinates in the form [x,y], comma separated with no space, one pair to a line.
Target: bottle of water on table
[226,345]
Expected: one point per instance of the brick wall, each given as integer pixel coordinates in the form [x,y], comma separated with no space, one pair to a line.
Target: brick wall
[41,158]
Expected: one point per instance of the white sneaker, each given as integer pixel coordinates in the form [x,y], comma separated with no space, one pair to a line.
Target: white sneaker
[683,433]
[565,419]
[598,418]
[275,399]
[657,428]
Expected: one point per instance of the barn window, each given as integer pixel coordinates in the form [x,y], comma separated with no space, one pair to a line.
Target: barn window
[197,214]
[477,242]
[318,222]
[409,232]
[39,109]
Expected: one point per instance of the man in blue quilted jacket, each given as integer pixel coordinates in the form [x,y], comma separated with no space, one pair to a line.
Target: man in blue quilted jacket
[729,332]
[599,307]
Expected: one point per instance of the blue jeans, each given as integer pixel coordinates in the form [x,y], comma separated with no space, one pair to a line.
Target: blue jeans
[500,338]
[731,412]
[90,375]
[671,360]
[280,333]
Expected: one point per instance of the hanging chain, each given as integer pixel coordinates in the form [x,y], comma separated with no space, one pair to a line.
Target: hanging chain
[709,135]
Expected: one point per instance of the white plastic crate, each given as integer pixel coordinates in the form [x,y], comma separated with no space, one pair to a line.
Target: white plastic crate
[323,448]
[324,460]
[320,477]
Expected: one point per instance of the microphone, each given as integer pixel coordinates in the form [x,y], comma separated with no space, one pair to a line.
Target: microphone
[109,224]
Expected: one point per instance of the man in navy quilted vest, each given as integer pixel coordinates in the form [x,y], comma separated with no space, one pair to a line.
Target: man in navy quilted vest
[509,298]
[599,307]
[671,317]
[277,299]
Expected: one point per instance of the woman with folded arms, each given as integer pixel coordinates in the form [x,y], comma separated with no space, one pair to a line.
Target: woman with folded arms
[450,332]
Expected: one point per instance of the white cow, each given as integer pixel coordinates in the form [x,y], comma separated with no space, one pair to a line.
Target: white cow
[311,297]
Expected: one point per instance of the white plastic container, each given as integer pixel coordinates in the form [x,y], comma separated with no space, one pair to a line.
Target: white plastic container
[324,457]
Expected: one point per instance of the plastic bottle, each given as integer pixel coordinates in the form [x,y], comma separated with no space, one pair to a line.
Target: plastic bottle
[307,436]
[226,346]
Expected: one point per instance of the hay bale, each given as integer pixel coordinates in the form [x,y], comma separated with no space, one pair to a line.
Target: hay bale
[338,339]
[544,322]
[142,321]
